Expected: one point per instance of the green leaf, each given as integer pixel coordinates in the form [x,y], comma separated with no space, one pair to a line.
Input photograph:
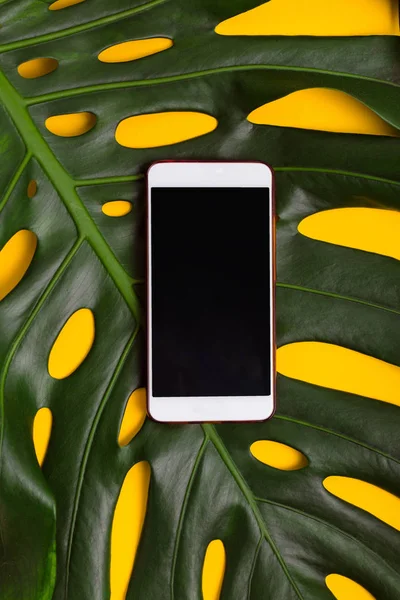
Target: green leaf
[283,532]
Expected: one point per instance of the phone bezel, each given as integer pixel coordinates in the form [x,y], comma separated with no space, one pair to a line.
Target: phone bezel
[198,409]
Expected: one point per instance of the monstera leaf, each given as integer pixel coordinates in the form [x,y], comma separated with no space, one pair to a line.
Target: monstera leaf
[283,531]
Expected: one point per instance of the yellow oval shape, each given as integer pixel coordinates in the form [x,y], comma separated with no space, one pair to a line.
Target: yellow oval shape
[380,503]
[344,588]
[127,525]
[323,110]
[72,345]
[37,67]
[277,455]
[32,189]
[370,229]
[163,129]
[213,570]
[311,17]
[341,369]
[60,4]
[134,417]
[15,258]
[117,208]
[135,49]
[42,425]
[71,125]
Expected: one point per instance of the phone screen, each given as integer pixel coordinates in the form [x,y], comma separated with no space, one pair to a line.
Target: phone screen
[210,292]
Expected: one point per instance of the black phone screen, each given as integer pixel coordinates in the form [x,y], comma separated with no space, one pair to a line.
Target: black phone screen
[210,292]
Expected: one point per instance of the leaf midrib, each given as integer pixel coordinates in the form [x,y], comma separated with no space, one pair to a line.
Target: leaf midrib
[65,187]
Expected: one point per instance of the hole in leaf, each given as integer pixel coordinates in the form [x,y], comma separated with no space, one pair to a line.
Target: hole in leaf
[42,425]
[163,129]
[71,125]
[378,502]
[31,189]
[135,49]
[72,345]
[311,17]
[370,229]
[213,570]
[127,526]
[134,417]
[323,110]
[341,369]
[60,4]
[277,455]
[15,258]
[37,67]
[117,208]
[345,589]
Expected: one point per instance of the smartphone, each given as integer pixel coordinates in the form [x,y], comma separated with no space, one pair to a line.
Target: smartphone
[211,342]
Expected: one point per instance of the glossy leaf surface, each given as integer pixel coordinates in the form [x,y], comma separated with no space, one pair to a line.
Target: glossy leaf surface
[283,532]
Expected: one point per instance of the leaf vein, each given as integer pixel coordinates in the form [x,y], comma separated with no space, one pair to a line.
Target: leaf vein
[85,457]
[253,567]
[338,172]
[68,93]
[65,187]
[247,493]
[22,332]
[327,524]
[48,37]
[299,288]
[337,434]
[183,513]
[15,180]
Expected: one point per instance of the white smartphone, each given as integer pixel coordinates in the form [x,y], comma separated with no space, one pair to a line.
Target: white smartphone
[211,263]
